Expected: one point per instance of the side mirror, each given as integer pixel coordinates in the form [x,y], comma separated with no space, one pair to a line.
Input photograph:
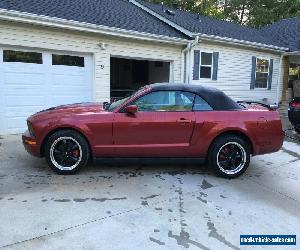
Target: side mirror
[132,109]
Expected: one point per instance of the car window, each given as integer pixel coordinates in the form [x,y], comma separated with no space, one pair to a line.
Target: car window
[201,105]
[166,101]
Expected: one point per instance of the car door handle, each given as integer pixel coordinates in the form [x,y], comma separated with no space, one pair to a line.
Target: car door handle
[184,121]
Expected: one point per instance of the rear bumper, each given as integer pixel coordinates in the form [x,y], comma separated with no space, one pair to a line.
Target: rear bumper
[31,145]
[294,116]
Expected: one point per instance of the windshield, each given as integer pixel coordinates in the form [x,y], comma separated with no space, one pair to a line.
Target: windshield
[112,106]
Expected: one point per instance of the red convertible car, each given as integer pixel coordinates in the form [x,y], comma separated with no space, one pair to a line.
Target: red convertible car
[159,120]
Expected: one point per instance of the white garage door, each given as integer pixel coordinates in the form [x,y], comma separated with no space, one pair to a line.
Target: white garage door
[32,81]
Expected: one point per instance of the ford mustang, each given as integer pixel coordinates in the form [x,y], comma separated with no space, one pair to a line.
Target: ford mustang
[159,120]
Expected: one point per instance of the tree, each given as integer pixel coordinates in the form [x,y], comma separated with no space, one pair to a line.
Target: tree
[255,13]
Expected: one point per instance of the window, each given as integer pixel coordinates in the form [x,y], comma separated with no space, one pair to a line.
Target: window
[166,101]
[206,65]
[201,105]
[262,73]
[23,57]
[66,60]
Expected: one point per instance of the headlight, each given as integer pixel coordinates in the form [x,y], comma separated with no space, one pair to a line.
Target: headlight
[30,128]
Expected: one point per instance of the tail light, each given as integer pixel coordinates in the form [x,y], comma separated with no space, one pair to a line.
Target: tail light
[295,104]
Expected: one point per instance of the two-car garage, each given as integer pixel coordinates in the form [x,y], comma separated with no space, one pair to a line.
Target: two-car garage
[35,80]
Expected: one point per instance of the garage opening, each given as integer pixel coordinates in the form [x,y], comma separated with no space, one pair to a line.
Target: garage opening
[128,75]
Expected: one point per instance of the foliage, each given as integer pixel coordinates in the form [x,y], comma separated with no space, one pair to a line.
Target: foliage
[255,13]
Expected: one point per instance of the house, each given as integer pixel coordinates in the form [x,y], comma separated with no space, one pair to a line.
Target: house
[56,52]
[287,32]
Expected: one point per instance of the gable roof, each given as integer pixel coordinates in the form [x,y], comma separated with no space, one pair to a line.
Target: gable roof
[198,24]
[286,31]
[111,13]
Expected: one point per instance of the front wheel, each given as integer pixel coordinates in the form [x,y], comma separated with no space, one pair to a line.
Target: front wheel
[229,156]
[66,152]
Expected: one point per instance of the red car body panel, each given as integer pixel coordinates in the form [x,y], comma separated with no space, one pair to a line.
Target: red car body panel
[156,134]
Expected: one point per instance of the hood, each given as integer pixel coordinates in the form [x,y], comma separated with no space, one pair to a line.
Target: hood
[70,109]
[78,107]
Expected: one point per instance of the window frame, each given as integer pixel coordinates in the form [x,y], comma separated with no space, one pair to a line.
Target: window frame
[23,51]
[67,55]
[269,60]
[206,65]
[151,92]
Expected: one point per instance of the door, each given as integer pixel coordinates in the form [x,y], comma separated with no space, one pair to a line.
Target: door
[163,125]
[35,80]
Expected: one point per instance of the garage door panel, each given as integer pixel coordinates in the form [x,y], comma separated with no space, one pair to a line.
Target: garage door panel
[61,80]
[32,100]
[69,100]
[17,78]
[29,88]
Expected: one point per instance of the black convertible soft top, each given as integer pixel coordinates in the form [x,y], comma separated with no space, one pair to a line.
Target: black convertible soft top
[217,99]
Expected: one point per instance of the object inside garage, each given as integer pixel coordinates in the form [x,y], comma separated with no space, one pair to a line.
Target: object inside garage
[128,75]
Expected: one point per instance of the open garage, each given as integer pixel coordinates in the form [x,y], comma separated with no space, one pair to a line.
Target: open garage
[127,75]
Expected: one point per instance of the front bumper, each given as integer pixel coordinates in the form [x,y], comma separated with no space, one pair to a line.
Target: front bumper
[31,145]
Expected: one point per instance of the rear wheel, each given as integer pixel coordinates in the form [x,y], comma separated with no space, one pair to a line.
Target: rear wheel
[229,156]
[66,152]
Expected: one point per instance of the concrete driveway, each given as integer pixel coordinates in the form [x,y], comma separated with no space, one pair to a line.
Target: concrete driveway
[138,205]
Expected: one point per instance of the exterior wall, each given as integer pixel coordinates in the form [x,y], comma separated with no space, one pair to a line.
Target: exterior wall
[44,39]
[234,72]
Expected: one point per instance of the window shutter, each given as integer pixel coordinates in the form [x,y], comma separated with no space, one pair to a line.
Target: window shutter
[253,72]
[270,74]
[215,66]
[196,69]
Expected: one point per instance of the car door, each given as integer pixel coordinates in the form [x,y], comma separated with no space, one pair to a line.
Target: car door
[163,125]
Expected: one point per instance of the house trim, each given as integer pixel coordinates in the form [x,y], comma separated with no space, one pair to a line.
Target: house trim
[248,44]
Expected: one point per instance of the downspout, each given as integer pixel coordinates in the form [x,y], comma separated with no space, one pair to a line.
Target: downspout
[184,62]
[279,78]
[187,59]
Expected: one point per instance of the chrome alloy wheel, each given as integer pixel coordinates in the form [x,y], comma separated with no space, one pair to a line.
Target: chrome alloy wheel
[231,158]
[65,153]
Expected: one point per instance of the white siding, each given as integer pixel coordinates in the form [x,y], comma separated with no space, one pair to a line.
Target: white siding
[64,41]
[234,73]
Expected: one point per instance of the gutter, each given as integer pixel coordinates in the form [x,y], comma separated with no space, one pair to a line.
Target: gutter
[243,43]
[28,18]
[293,53]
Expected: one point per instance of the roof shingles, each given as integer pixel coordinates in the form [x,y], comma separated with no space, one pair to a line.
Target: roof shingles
[210,26]
[286,31]
[112,13]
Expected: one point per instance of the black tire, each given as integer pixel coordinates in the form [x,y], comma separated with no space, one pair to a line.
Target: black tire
[297,129]
[238,153]
[63,148]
